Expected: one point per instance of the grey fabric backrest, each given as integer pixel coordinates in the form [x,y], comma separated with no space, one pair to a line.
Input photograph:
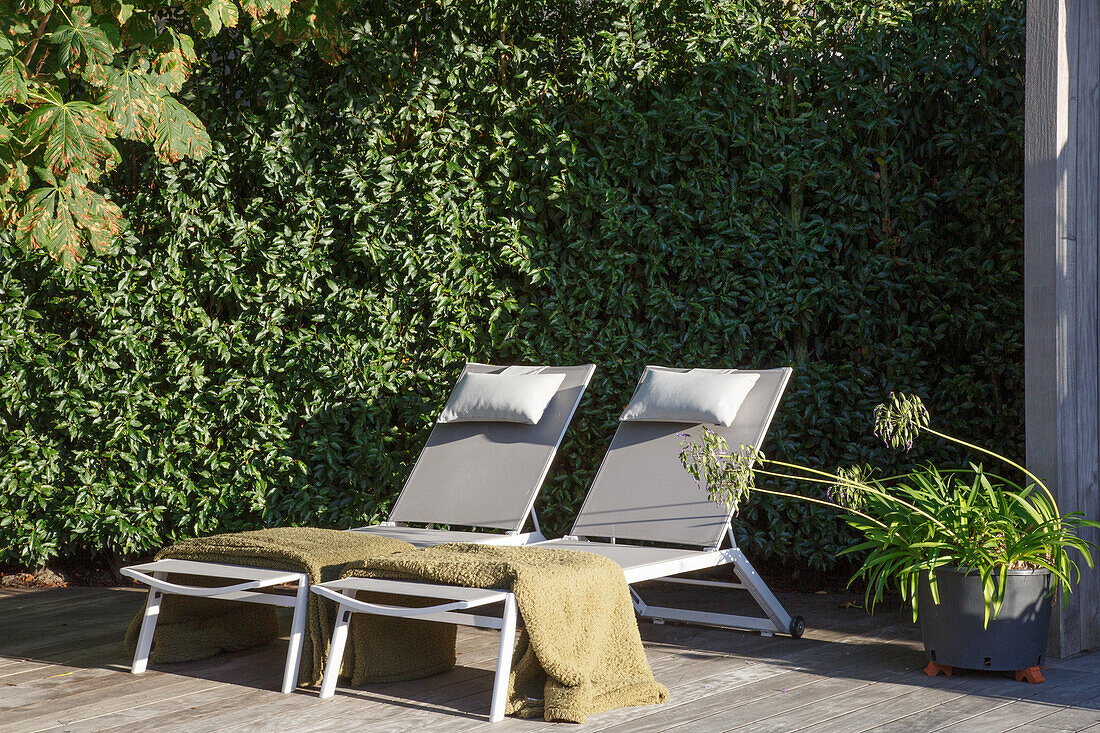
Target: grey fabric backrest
[487,474]
[642,492]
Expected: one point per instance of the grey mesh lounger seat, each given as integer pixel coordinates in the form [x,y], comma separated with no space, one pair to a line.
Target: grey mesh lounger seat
[641,493]
[484,475]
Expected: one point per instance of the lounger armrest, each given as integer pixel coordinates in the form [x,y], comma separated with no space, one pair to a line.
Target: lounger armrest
[190,590]
[381,609]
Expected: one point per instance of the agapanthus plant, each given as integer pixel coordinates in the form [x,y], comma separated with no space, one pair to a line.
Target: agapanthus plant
[917,522]
[727,475]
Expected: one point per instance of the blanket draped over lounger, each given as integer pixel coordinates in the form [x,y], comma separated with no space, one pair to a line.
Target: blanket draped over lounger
[191,628]
[579,651]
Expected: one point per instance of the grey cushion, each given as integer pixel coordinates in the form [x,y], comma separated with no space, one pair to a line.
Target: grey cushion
[512,396]
[697,396]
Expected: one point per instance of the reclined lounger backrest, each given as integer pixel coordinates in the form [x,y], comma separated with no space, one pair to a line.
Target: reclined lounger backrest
[642,492]
[487,474]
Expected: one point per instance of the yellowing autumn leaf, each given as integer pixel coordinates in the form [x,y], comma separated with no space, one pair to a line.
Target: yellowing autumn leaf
[74,75]
[75,135]
[131,103]
[179,133]
[83,42]
[259,8]
[99,219]
[215,15]
[175,65]
[13,80]
[66,219]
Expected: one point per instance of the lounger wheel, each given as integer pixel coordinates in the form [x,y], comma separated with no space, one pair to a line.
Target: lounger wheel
[797,627]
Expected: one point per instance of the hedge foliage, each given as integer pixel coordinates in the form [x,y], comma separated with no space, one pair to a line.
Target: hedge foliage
[835,186]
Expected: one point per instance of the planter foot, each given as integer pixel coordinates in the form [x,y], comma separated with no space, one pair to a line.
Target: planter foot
[934,669]
[1032,675]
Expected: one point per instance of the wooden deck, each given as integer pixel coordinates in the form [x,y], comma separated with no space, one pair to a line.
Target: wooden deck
[62,669]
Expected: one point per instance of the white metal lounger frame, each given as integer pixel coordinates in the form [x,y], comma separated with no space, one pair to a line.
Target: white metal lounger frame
[648,563]
[521,457]
[775,619]
[153,574]
[457,599]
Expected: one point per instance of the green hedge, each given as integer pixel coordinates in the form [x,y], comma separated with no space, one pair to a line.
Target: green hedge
[686,183]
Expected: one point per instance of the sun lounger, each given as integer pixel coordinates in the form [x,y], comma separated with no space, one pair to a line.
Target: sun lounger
[641,493]
[482,475]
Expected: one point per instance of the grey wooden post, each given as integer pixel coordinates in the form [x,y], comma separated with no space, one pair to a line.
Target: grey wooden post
[1061,277]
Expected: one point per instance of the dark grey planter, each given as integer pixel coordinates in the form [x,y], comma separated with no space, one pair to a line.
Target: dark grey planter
[954,634]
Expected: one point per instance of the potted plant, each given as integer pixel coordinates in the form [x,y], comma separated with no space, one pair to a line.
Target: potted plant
[977,554]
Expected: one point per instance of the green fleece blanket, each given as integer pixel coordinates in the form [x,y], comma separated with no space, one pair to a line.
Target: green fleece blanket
[579,653]
[192,628]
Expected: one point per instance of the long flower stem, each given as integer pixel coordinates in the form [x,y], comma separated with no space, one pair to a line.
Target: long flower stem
[832,477]
[833,504]
[812,500]
[998,456]
[862,487]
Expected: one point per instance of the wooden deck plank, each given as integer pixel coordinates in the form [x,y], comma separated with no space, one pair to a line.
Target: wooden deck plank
[795,694]
[238,710]
[851,672]
[62,626]
[772,670]
[1067,719]
[1072,688]
[980,707]
[1079,662]
[5,592]
[928,694]
[890,694]
[419,706]
[422,706]
[187,710]
[808,708]
[109,676]
[24,606]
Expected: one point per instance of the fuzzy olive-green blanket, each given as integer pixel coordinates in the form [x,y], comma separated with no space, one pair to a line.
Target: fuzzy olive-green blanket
[191,628]
[579,651]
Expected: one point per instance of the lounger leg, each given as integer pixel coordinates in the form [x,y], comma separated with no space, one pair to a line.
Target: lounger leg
[775,621]
[297,629]
[148,626]
[504,660]
[335,652]
[761,593]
